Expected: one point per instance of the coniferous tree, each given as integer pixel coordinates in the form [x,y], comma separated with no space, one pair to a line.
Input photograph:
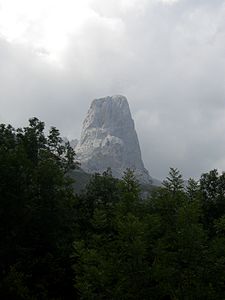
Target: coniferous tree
[36,214]
[174,181]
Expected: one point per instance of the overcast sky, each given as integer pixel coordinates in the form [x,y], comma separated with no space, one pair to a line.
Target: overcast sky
[167,57]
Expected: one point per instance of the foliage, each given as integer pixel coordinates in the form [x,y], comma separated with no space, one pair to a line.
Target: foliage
[174,182]
[107,242]
[36,218]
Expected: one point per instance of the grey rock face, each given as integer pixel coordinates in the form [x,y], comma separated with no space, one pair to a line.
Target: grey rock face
[73,143]
[109,139]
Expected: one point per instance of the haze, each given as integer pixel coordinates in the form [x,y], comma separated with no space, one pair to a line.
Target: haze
[167,57]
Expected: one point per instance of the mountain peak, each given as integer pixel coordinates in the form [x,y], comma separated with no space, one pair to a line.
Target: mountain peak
[115,98]
[109,139]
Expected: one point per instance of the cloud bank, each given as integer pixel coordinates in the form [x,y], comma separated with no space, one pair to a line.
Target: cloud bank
[167,57]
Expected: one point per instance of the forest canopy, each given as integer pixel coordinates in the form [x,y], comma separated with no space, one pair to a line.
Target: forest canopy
[106,242]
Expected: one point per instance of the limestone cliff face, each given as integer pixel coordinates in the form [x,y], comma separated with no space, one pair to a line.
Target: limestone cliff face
[109,139]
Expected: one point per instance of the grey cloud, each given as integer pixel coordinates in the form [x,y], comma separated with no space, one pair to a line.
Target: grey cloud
[167,59]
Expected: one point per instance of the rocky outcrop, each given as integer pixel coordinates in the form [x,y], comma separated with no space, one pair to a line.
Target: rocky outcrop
[73,143]
[109,139]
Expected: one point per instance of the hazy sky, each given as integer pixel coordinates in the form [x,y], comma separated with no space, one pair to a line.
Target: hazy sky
[166,56]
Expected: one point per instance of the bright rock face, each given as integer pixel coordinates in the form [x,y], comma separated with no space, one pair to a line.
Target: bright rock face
[109,139]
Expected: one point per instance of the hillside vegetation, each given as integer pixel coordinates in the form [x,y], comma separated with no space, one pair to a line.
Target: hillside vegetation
[105,242]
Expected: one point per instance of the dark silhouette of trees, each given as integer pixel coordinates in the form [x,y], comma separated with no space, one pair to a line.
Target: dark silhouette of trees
[36,213]
[107,242]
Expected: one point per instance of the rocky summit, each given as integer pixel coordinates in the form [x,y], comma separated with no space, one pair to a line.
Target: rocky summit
[109,139]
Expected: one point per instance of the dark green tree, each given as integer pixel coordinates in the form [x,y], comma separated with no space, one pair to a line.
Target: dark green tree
[36,213]
[179,242]
[212,187]
[193,189]
[110,261]
[174,181]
